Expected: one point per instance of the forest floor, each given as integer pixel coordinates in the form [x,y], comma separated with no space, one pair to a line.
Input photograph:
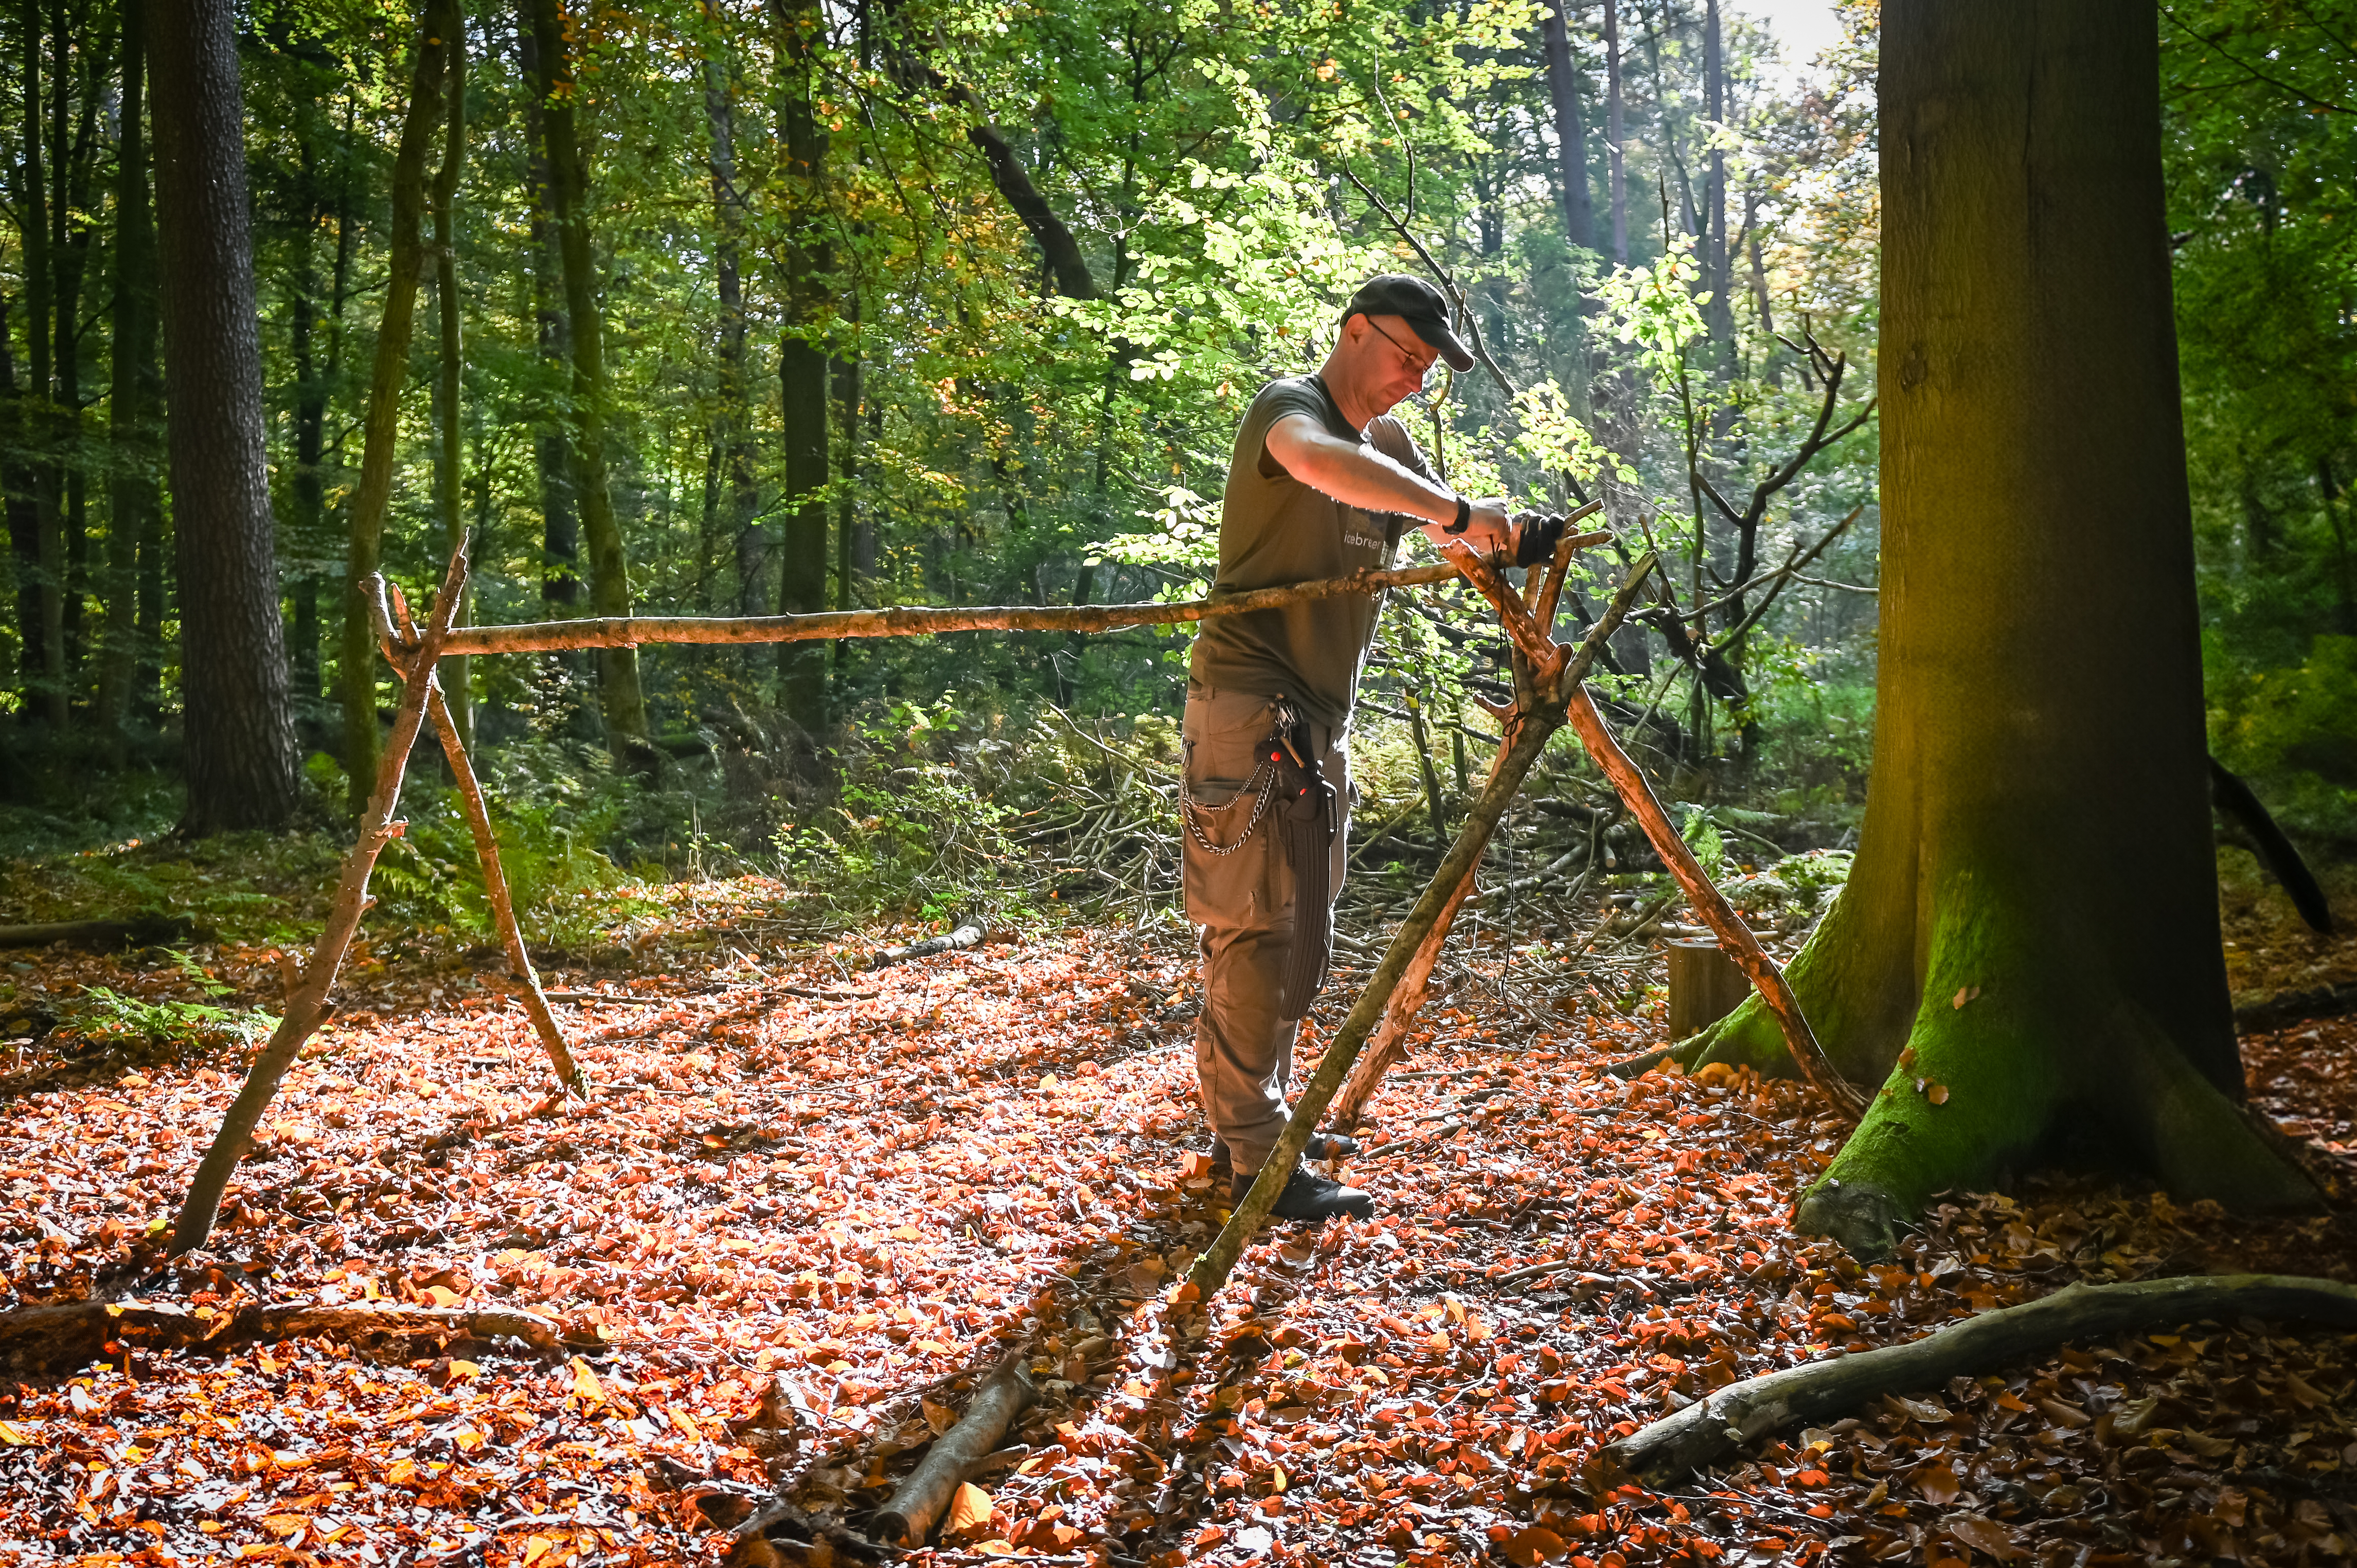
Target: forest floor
[808,1203]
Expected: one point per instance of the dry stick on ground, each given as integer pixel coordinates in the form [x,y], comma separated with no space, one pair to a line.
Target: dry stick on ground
[1211,1270]
[1712,906]
[629,632]
[487,849]
[61,1337]
[1711,1428]
[922,1499]
[966,935]
[307,994]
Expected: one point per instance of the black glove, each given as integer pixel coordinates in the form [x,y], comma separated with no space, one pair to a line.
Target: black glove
[1535,540]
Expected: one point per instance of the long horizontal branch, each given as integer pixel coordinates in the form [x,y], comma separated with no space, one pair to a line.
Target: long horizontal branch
[629,632]
[1709,1429]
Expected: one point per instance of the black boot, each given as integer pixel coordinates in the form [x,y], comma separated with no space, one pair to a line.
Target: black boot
[1307,1197]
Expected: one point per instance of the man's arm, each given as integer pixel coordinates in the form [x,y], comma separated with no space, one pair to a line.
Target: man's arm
[1359,476]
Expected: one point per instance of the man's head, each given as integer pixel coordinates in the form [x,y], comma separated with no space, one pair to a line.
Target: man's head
[1394,327]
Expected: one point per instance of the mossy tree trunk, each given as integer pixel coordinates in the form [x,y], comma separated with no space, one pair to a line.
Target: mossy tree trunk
[2028,948]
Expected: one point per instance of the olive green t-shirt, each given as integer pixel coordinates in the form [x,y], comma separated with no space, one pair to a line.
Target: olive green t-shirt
[1276,530]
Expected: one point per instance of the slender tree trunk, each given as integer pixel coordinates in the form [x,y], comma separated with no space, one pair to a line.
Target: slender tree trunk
[40,422]
[70,247]
[308,486]
[1616,175]
[802,370]
[737,502]
[849,568]
[240,740]
[450,446]
[24,528]
[131,479]
[619,692]
[1718,272]
[1570,129]
[2035,930]
[437,22]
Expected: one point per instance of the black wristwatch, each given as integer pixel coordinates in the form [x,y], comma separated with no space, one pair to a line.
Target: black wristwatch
[1464,518]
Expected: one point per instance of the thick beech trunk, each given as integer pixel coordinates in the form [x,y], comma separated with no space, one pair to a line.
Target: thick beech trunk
[619,691]
[2029,944]
[240,739]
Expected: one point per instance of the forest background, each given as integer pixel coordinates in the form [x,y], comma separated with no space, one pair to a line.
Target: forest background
[732,308]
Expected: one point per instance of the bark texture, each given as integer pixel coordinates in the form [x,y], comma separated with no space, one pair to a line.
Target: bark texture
[2029,944]
[240,739]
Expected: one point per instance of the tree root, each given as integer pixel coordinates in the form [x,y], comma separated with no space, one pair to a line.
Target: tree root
[61,1337]
[1713,1427]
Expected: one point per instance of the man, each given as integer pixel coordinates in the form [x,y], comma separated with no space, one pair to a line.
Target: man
[1323,482]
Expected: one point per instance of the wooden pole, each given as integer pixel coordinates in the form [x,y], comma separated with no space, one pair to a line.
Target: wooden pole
[907,620]
[1711,907]
[1219,1259]
[309,983]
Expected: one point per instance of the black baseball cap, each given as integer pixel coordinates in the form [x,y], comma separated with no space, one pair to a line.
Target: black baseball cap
[1420,304]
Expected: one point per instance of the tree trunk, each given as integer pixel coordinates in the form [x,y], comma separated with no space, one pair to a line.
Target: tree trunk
[76,47]
[1719,315]
[2029,944]
[438,20]
[131,479]
[240,741]
[1570,130]
[450,446]
[307,485]
[1616,175]
[48,633]
[739,501]
[619,693]
[802,373]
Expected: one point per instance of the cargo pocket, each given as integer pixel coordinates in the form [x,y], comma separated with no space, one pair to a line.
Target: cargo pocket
[1229,888]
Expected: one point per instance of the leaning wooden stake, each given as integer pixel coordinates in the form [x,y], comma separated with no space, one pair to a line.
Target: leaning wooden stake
[1211,1270]
[309,983]
[486,848]
[1711,906]
[1711,1428]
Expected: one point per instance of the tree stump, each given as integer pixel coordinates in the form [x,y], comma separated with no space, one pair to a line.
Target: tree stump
[1705,985]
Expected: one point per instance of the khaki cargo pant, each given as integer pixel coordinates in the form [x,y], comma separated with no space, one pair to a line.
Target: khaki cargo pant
[1242,904]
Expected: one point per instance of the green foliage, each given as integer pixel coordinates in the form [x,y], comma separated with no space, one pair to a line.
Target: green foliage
[107,1017]
[2294,730]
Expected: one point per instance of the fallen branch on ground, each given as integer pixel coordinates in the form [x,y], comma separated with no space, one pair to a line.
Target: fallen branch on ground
[965,936]
[61,1337]
[1714,1426]
[921,1500]
[121,931]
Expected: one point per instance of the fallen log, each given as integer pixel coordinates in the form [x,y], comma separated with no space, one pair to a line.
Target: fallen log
[1714,1426]
[58,1337]
[919,1502]
[118,931]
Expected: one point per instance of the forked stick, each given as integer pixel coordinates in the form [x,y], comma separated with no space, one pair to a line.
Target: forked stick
[307,992]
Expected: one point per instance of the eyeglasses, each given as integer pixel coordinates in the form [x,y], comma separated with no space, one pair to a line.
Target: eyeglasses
[1432,371]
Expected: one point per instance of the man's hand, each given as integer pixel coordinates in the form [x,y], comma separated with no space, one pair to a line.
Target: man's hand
[1488,530]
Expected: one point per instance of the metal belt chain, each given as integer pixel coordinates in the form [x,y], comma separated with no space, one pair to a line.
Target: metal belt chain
[1187,810]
